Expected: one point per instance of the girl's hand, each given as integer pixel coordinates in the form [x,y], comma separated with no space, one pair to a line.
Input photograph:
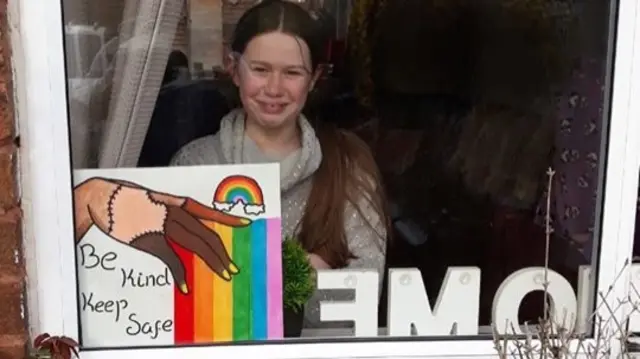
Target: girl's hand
[317,262]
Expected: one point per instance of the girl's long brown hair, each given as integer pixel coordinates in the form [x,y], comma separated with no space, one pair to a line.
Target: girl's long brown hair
[348,174]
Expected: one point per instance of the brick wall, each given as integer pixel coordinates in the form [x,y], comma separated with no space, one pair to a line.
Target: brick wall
[13,334]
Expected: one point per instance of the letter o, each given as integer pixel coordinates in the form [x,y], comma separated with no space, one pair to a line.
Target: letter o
[506,302]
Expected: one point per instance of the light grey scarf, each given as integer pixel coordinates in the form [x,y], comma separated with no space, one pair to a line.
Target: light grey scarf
[232,137]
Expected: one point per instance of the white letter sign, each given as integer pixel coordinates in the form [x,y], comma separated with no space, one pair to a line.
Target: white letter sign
[457,308]
[457,303]
[506,302]
[363,310]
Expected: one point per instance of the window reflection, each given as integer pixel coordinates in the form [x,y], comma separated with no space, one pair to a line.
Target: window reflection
[465,105]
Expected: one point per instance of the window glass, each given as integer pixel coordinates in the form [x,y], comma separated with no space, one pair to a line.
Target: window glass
[453,142]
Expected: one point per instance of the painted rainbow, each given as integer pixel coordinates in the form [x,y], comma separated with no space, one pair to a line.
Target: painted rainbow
[249,307]
[239,188]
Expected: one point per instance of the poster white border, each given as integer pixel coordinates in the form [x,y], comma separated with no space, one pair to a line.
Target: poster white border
[38,60]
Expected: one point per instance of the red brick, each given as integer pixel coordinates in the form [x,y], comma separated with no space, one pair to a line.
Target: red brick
[7,124]
[16,352]
[7,177]
[13,346]
[11,321]
[11,265]
[10,239]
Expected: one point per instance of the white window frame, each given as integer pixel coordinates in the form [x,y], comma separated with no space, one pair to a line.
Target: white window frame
[38,61]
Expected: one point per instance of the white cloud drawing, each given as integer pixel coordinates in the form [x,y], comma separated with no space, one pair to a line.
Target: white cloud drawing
[239,208]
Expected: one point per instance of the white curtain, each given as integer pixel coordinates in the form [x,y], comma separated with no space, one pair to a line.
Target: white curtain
[145,39]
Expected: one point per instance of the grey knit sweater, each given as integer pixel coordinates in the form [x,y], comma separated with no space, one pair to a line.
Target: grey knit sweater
[231,146]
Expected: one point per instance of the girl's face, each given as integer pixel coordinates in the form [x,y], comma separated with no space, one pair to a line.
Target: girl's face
[274,76]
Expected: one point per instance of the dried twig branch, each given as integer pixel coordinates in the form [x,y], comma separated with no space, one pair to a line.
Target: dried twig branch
[551,340]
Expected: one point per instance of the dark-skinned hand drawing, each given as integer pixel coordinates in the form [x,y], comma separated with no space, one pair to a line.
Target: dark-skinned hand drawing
[114,207]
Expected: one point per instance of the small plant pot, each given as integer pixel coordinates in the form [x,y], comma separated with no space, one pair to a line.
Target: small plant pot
[293,322]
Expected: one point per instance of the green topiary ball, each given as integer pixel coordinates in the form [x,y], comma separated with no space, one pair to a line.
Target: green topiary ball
[297,275]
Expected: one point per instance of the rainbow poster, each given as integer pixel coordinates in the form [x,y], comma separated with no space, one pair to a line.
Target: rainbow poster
[191,255]
[248,307]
